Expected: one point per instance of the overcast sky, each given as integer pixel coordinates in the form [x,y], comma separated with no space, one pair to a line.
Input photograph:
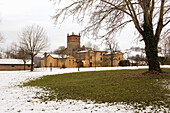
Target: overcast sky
[16,14]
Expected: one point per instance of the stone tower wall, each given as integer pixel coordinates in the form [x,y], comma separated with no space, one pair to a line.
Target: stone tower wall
[73,43]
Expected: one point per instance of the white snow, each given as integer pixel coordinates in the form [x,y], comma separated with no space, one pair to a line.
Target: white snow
[58,56]
[14,99]
[84,51]
[13,61]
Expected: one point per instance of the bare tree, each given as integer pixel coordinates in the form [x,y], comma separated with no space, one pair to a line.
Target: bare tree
[32,40]
[61,51]
[89,45]
[1,37]
[22,54]
[1,40]
[17,52]
[95,47]
[148,16]
[112,47]
[165,49]
[13,50]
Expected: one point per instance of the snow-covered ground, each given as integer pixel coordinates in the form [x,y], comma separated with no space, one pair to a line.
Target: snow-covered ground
[14,99]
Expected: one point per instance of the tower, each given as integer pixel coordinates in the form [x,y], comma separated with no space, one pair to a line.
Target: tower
[73,43]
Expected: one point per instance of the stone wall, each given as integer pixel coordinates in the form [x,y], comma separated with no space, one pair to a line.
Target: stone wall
[73,43]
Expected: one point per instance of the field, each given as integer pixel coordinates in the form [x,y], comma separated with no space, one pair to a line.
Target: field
[16,98]
[129,87]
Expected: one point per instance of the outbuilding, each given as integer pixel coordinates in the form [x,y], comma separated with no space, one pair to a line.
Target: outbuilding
[55,60]
[14,64]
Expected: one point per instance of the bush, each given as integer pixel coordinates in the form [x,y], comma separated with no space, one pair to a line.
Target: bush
[124,63]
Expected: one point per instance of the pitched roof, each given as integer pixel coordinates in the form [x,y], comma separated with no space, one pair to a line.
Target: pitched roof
[109,53]
[59,56]
[13,61]
[84,51]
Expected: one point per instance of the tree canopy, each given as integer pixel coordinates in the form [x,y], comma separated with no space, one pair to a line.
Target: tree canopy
[113,15]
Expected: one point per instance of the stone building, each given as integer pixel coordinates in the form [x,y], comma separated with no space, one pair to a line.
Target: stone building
[14,64]
[75,55]
[91,58]
[53,60]
[107,59]
[73,44]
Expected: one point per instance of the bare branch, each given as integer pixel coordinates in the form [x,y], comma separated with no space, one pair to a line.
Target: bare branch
[1,38]
[152,9]
[118,7]
[107,17]
[160,22]
[134,16]
[33,40]
[166,23]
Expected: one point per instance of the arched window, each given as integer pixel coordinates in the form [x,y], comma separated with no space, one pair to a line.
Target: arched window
[69,62]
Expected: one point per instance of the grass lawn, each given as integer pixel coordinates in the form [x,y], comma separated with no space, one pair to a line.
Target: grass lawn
[128,86]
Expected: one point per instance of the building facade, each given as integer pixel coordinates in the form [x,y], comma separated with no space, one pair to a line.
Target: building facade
[91,58]
[115,59]
[53,60]
[75,55]
[73,44]
[14,64]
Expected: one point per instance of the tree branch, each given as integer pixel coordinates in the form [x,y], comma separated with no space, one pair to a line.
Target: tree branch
[160,22]
[133,16]
[152,9]
[116,7]
[166,23]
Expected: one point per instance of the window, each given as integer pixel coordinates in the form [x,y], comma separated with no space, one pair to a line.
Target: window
[69,62]
[101,59]
[28,65]
[12,65]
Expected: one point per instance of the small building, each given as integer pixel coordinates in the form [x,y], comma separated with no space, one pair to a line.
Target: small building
[54,60]
[107,59]
[91,58]
[14,64]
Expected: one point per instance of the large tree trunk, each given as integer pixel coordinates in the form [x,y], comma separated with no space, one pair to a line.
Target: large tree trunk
[32,60]
[151,49]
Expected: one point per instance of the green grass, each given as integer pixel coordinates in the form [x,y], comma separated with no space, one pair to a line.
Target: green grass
[128,86]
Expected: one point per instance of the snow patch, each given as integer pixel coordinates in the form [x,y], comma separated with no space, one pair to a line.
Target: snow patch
[15,99]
